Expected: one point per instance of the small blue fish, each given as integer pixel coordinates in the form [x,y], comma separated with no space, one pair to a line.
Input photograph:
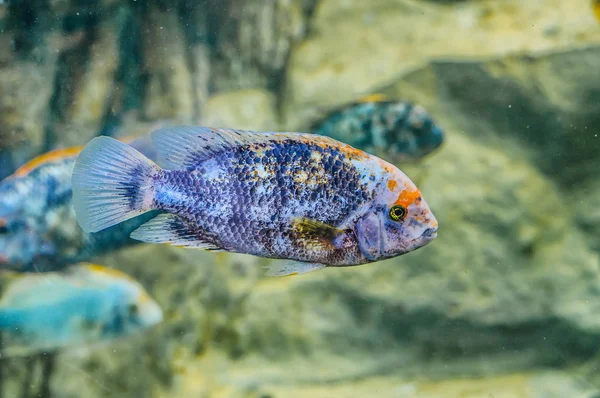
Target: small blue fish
[84,305]
[38,229]
[396,130]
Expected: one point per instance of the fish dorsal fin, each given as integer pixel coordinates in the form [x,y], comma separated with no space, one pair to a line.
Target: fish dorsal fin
[184,146]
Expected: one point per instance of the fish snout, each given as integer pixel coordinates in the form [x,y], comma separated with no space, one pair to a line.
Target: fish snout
[151,314]
[429,233]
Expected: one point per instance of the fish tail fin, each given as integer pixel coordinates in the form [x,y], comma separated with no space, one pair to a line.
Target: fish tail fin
[112,182]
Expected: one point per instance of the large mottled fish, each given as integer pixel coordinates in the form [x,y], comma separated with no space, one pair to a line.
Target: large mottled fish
[83,305]
[38,229]
[294,196]
[397,130]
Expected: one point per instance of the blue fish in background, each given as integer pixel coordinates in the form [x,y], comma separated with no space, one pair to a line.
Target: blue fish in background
[38,228]
[395,130]
[83,305]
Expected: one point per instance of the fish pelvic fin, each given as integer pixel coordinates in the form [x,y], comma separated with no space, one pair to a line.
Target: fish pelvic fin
[112,182]
[172,230]
[289,268]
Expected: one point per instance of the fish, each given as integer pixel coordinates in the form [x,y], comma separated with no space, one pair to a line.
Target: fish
[398,130]
[596,8]
[83,305]
[307,199]
[38,229]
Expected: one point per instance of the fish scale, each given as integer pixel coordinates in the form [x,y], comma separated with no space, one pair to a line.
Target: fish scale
[235,231]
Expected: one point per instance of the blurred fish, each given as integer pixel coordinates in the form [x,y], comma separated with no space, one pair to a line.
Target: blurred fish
[38,229]
[292,196]
[596,8]
[84,305]
[396,130]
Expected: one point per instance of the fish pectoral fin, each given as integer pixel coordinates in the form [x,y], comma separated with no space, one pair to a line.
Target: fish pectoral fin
[288,268]
[317,235]
[173,230]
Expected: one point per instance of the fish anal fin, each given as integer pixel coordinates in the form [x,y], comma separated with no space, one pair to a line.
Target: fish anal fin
[289,268]
[172,230]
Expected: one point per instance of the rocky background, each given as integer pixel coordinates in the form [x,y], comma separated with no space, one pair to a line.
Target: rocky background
[505,303]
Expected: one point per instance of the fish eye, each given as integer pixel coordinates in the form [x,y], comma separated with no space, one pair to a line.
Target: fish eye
[397,213]
[133,310]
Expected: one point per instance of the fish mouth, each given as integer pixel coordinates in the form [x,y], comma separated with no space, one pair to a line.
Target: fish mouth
[427,236]
[152,315]
[429,233]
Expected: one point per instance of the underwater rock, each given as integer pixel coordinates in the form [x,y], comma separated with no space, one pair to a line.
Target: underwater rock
[548,102]
[254,40]
[586,203]
[251,109]
[169,88]
[195,21]
[371,44]
[26,86]
[535,385]
[86,82]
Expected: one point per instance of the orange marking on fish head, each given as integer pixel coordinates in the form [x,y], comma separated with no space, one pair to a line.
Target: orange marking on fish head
[47,157]
[3,222]
[392,184]
[408,196]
